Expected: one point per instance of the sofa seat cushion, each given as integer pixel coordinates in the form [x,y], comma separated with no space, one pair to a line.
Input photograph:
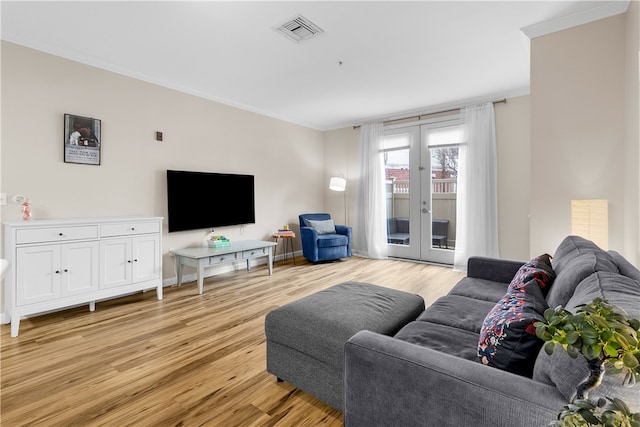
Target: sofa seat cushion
[457,311]
[574,272]
[508,339]
[444,338]
[480,289]
[330,240]
[565,373]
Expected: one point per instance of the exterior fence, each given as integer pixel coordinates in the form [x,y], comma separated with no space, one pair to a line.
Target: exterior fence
[443,200]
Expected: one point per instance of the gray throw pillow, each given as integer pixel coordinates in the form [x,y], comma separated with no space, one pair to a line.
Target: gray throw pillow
[322,227]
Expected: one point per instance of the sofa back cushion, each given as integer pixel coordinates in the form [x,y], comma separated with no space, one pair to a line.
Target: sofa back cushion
[566,373]
[572,247]
[575,259]
[625,267]
[575,272]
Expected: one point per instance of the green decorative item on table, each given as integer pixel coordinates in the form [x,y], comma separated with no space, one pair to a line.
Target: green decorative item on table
[602,334]
[219,242]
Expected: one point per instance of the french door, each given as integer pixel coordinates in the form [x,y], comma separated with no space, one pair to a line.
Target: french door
[421,169]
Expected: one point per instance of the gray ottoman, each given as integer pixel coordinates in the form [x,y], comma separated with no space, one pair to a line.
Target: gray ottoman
[306,338]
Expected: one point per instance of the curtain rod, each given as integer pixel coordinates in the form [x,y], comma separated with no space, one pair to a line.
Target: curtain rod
[420,116]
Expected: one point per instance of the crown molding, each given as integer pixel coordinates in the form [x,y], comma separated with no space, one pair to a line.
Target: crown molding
[611,8]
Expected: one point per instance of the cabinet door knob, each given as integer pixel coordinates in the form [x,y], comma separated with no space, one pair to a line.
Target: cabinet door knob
[133,229]
[57,271]
[129,261]
[66,270]
[135,260]
[60,234]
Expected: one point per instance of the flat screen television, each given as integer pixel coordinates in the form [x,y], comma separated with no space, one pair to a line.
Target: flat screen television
[198,200]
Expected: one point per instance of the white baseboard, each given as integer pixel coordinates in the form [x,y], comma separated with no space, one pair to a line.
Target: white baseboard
[4,318]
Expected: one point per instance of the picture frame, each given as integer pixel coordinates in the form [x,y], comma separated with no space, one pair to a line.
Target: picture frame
[82,140]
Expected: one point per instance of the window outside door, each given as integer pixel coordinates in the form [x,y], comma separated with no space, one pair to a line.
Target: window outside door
[421,164]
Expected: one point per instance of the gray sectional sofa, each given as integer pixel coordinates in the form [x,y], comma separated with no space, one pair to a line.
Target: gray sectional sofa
[429,373]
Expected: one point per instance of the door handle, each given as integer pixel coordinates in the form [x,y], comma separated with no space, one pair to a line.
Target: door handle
[425,211]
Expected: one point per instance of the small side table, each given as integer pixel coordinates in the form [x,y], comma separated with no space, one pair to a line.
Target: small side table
[285,236]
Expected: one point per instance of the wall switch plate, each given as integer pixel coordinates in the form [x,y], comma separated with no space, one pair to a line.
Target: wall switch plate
[3,199]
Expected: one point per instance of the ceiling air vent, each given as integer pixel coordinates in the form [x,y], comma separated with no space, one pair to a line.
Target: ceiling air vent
[299,28]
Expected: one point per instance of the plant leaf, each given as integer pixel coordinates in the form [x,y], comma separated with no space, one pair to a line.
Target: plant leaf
[549,347]
[610,350]
[588,416]
[572,351]
[630,361]
[572,337]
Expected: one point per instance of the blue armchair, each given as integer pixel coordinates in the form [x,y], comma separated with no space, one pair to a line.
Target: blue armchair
[320,242]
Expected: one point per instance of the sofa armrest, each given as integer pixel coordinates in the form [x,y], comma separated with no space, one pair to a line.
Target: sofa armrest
[389,382]
[346,230]
[494,269]
[309,238]
[343,229]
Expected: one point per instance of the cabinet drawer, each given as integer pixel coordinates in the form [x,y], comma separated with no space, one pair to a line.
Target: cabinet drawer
[220,259]
[56,234]
[129,228]
[255,252]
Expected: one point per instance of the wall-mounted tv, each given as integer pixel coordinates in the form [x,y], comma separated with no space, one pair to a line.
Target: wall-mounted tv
[198,200]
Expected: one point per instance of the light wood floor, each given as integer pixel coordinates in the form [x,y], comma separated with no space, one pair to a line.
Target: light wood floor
[188,360]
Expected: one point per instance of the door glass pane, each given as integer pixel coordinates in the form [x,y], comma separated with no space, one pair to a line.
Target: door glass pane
[396,164]
[444,180]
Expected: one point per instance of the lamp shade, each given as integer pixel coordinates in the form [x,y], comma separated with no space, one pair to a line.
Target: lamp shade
[337,183]
[590,219]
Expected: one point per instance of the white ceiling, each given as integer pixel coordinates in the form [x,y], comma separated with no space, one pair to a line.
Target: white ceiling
[397,57]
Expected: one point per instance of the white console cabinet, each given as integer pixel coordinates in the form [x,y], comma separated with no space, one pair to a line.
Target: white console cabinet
[62,263]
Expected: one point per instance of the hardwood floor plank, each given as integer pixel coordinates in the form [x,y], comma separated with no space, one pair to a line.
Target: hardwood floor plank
[188,360]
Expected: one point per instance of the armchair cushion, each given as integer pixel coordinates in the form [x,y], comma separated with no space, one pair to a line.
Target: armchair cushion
[322,227]
[331,240]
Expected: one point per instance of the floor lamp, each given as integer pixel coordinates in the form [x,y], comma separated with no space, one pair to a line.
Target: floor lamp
[339,183]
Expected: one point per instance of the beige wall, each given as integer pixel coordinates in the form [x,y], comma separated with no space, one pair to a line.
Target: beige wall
[513,139]
[578,140]
[341,157]
[632,137]
[512,135]
[579,128]
[38,89]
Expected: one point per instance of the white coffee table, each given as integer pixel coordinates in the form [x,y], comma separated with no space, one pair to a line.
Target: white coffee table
[207,257]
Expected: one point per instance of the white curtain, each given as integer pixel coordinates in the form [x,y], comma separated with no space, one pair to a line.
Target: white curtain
[477,211]
[369,225]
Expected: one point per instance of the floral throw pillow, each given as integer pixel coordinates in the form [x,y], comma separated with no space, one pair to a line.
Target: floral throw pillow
[539,269]
[508,338]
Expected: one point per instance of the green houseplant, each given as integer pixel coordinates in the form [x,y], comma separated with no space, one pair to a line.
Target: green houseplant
[604,335]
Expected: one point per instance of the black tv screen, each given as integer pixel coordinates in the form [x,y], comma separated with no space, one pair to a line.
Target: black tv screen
[199,200]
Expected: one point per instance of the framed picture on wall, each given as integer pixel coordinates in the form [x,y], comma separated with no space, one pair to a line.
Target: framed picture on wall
[81,140]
